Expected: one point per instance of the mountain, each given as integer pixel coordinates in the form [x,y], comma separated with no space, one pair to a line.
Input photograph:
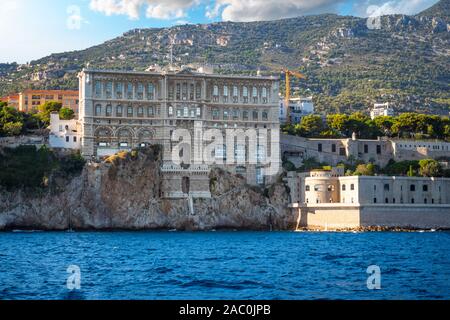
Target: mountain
[349,64]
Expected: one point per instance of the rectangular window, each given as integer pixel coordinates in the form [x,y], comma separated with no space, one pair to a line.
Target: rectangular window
[119,90]
[198,91]
[140,91]
[130,91]
[342,151]
[319,147]
[333,148]
[425,188]
[178,97]
[67,139]
[191,92]
[151,91]
[98,89]
[366,148]
[378,149]
[74,139]
[108,89]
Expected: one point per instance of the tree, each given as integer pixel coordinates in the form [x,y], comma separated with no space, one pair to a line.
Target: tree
[365,170]
[430,168]
[46,109]
[12,128]
[66,114]
[338,122]
[312,125]
[11,121]
[384,124]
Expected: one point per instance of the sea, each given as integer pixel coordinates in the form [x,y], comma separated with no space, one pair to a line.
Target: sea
[229,265]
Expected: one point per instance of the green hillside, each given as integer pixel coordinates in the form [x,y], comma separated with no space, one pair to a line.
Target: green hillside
[349,66]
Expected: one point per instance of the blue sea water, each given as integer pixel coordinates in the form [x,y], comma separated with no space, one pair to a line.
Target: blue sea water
[224,265]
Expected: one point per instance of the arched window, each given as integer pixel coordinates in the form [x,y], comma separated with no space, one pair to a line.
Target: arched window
[425,200]
[130,111]
[264,92]
[215,114]
[170,111]
[98,110]
[412,200]
[108,110]
[140,111]
[119,110]
[215,91]
[151,112]
[245,115]
[307,188]
[352,187]
[255,115]
[265,115]
[344,187]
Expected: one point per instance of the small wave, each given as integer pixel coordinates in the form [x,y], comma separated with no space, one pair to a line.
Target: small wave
[26,231]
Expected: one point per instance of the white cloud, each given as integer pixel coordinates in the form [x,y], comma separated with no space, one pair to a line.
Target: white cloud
[383,7]
[158,9]
[255,10]
[251,10]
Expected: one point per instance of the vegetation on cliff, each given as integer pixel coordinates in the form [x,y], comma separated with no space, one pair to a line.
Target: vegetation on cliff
[27,167]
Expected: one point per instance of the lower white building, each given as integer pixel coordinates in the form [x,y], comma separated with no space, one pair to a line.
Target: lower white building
[381,109]
[64,134]
[298,108]
[326,200]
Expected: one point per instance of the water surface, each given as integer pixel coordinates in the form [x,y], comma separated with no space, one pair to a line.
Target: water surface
[225,265]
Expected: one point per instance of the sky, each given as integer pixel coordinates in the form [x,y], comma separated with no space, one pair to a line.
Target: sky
[31,29]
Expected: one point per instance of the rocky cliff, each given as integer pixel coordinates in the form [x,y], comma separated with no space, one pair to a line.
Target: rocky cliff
[123,193]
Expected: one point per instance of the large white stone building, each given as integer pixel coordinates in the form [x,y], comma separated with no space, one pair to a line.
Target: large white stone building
[122,110]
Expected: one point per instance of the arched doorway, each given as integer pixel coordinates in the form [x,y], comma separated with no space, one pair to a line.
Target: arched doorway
[125,138]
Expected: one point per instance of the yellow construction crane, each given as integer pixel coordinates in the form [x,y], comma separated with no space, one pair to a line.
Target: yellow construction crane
[288,74]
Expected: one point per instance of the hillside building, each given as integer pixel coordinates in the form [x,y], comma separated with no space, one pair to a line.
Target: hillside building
[379,151]
[30,100]
[299,107]
[381,109]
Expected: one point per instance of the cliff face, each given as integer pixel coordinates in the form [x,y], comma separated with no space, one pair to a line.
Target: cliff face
[124,194]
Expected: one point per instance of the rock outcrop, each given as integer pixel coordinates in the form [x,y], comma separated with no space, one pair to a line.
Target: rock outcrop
[125,194]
